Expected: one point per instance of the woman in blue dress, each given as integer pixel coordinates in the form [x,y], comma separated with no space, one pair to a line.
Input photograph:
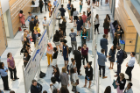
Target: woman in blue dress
[65,52]
[79,25]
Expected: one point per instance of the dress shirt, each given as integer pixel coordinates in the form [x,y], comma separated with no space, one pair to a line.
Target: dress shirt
[45,22]
[101,59]
[131,62]
[55,3]
[75,77]
[29,17]
[3,72]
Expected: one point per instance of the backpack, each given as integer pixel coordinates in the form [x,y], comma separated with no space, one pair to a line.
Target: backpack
[33,2]
[124,55]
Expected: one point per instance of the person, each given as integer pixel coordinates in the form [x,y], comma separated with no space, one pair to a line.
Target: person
[22,36]
[75,15]
[64,78]
[36,21]
[119,31]
[69,8]
[104,44]
[97,3]
[54,85]
[115,40]
[49,7]
[12,67]
[56,40]
[37,30]
[89,74]
[84,52]
[72,10]
[65,52]
[45,91]
[30,16]
[45,23]
[49,52]
[55,3]
[73,40]
[101,62]
[112,53]
[93,1]
[108,18]
[84,18]
[81,5]
[120,82]
[88,4]
[84,35]
[22,19]
[75,80]
[26,58]
[64,22]
[1,91]
[79,25]
[35,38]
[120,59]
[54,57]
[36,87]
[97,23]
[108,89]
[56,74]
[46,4]
[130,66]
[64,90]
[128,89]
[32,24]
[62,10]
[12,91]
[4,76]
[40,5]
[88,16]
[106,26]
[77,57]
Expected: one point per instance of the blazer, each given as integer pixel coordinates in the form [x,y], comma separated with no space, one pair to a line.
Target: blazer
[122,83]
[104,43]
[120,56]
[101,59]
[34,89]
[115,41]
[62,10]
[77,56]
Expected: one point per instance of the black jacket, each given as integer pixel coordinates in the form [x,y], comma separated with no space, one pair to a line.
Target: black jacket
[77,56]
[34,89]
[32,24]
[115,41]
[62,10]
[40,3]
[121,83]
[55,55]
[88,72]
[120,56]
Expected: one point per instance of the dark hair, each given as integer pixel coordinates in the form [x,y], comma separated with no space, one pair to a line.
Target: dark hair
[24,29]
[97,15]
[72,59]
[1,63]
[44,16]
[102,50]
[74,9]
[8,54]
[33,81]
[108,16]
[57,70]
[114,48]
[62,5]
[55,49]
[133,53]
[53,79]
[79,47]
[108,89]
[72,70]
[35,16]
[21,11]
[65,41]
[84,12]
[64,90]
[104,35]
[54,90]
[32,18]
[29,12]
[12,91]
[130,84]
[45,91]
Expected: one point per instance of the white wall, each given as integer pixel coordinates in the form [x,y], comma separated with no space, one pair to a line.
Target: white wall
[4,5]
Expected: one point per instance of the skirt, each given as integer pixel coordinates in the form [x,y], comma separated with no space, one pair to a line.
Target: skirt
[57,43]
[118,90]
[54,62]
[88,19]
[112,59]
[75,17]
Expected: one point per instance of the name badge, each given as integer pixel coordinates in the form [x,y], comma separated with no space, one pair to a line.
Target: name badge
[122,82]
[88,69]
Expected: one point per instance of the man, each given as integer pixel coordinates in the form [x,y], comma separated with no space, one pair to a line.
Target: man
[62,10]
[32,24]
[45,23]
[69,8]
[36,87]
[30,16]
[73,40]
[101,62]
[120,59]
[130,66]
[55,3]
[84,18]
[104,43]
[128,88]
[77,57]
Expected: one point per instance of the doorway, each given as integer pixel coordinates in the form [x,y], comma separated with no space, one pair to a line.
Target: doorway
[6,25]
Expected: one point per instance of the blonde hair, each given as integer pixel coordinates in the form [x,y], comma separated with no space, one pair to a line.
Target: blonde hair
[122,75]
[64,70]
[72,29]
[64,19]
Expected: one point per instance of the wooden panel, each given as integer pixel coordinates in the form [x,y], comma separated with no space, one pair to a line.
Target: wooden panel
[130,42]
[131,29]
[129,48]
[130,36]
[130,23]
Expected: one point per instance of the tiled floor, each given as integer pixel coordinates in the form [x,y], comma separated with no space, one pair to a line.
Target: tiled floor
[14,46]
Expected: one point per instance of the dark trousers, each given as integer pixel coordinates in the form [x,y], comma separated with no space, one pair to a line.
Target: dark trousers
[5,82]
[103,68]
[118,68]
[41,9]
[97,28]
[83,41]
[128,72]
[46,6]
[85,57]
[78,67]
[64,31]
[105,51]
[13,71]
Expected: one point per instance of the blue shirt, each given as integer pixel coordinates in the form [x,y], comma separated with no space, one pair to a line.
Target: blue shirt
[30,17]
[68,6]
[101,59]
[55,3]
[3,72]
[131,62]
[73,36]
[104,43]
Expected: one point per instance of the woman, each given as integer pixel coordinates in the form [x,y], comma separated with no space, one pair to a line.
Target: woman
[35,38]
[89,74]
[112,56]
[57,74]
[64,26]
[72,10]
[36,21]
[81,5]
[64,78]
[108,18]
[75,14]
[88,4]
[119,31]
[128,88]
[22,19]
[84,52]
[106,26]
[64,90]
[116,40]
[84,35]
[12,67]
[88,16]
[54,85]
[54,57]
[49,53]
[96,23]
[49,7]
[120,82]
[97,3]
[41,5]
[79,25]
[56,40]
[75,80]
[108,89]
[26,58]
[37,29]
[4,76]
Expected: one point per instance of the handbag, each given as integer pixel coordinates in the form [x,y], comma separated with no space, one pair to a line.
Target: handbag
[114,84]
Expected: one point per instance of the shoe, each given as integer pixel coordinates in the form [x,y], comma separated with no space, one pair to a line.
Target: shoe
[116,76]
[128,79]
[16,78]
[104,77]
[7,89]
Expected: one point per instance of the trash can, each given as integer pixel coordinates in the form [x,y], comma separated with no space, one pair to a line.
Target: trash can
[122,43]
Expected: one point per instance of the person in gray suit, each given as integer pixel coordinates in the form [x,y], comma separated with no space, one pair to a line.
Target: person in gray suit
[104,43]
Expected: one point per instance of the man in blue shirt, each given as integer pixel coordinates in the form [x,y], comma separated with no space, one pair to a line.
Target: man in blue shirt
[101,62]
[55,3]
[30,16]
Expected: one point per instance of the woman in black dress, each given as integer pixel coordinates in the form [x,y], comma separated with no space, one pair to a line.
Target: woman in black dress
[89,74]
[112,56]
[72,10]
[116,40]
[57,74]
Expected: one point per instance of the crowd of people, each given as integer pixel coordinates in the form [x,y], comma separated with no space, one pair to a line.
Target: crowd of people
[80,53]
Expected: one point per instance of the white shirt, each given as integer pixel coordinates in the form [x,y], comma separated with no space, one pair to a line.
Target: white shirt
[96,21]
[75,13]
[72,66]
[131,62]
[55,86]
[45,22]
[75,77]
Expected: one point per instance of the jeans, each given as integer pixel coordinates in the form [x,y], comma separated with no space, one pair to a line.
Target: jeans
[97,27]
[85,57]
[103,68]
[83,41]
[118,68]
[80,8]
[13,71]
[74,44]
[128,72]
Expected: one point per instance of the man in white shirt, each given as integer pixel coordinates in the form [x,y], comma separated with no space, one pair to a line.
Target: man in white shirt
[130,66]
[45,23]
